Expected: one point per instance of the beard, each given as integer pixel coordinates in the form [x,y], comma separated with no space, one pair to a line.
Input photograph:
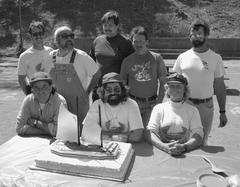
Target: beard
[197,43]
[114,99]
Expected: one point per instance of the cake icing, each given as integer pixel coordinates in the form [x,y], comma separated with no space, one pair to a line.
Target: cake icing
[114,169]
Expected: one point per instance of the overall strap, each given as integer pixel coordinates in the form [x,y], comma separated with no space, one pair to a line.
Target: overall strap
[73,56]
[54,57]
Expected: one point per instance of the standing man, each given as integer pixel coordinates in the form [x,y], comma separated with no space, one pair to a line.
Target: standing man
[144,72]
[74,72]
[30,60]
[205,73]
[111,48]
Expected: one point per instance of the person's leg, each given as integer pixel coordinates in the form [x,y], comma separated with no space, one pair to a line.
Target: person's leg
[206,111]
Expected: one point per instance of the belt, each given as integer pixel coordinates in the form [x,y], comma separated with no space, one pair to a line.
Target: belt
[199,101]
[142,98]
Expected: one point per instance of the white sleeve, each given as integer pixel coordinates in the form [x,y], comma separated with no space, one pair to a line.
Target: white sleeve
[195,123]
[220,71]
[176,66]
[21,66]
[134,116]
[155,118]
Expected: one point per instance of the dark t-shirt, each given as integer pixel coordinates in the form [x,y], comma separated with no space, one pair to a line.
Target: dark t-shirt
[110,52]
[142,72]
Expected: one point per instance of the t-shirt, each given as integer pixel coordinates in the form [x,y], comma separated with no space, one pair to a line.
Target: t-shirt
[200,69]
[175,121]
[141,72]
[123,118]
[30,61]
[110,52]
[83,64]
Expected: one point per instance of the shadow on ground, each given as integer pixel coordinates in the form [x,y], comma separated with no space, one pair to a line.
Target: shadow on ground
[233,92]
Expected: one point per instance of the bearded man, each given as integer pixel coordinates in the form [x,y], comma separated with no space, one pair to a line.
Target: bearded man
[73,71]
[205,73]
[117,114]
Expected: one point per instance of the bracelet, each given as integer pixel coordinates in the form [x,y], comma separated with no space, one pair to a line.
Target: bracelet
[222,111]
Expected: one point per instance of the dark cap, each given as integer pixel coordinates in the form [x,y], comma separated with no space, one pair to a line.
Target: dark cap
[201,22]
[111,77]
[177,78]
[40,76]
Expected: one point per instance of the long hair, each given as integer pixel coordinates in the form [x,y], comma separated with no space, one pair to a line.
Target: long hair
[124,94]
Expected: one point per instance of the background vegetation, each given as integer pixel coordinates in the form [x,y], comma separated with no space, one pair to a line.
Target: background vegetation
[162,18]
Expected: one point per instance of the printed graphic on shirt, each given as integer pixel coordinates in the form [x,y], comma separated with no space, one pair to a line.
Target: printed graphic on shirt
[114,126]
[142,72]
[205,64]
[172,132]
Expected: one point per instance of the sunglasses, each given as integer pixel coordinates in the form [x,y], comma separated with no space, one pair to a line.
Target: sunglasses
[66,36]
[35,34]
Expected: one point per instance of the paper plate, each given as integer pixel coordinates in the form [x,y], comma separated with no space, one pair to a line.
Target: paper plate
[211,180]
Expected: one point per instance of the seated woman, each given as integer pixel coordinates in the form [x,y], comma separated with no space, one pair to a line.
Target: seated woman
[175,126]
[39,110]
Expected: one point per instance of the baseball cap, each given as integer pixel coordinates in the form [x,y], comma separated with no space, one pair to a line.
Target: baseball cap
[40,76]
[111,77]
[177,78]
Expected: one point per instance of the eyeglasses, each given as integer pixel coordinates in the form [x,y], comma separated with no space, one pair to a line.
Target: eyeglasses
[65,36]
[38,89]
[35,34]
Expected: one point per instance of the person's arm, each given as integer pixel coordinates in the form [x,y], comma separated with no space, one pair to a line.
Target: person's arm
[92,52]
[123,72]
[22,83]
[156,141]
[220,92]
[94,81]
[162,74]
[27,125]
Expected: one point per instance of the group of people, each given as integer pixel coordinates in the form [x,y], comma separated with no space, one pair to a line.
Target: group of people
[121,85]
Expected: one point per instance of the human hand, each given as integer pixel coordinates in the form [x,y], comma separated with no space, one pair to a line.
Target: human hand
[31,122]
[52,129]
[177,149]
[223,120]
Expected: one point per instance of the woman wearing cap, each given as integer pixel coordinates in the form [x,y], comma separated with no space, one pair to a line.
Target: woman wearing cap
[175,126]
[39,110]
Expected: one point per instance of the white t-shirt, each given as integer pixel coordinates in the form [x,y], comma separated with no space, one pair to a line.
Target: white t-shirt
[30,61]
[84,65]
[125,117]
[200,69]
[175,121]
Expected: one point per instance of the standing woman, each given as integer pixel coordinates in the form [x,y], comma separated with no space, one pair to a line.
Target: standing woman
[175,126]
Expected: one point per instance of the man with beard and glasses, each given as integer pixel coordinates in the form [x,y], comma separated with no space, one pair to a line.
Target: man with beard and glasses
[30,61]
[204,70]
[118,115]
[109,49]
[73,71]
[144,72]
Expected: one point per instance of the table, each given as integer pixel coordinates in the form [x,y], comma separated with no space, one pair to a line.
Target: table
[149,166]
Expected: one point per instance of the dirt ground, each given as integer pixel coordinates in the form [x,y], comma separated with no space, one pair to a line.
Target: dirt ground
[11,97]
